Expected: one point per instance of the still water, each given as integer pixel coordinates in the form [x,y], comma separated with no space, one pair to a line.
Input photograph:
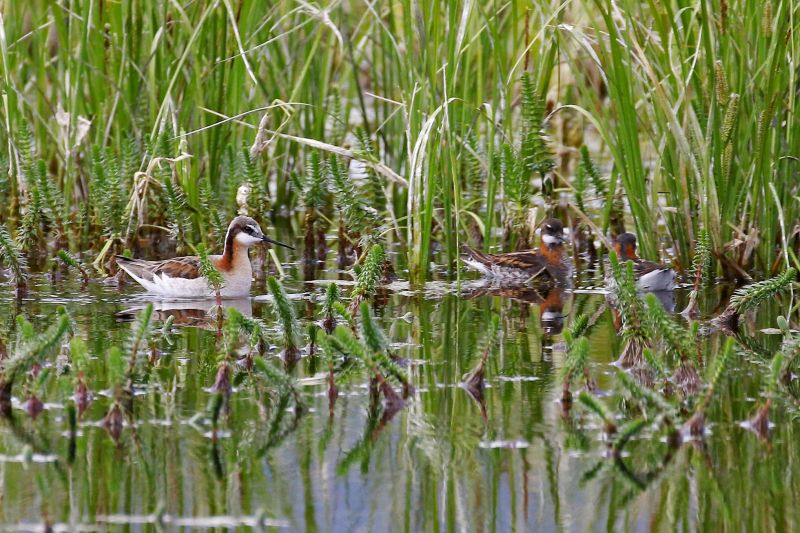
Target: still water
[514,460]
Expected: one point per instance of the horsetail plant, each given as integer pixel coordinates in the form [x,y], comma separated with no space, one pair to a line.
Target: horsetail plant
[259,202]
[280,382]
[381,368]
[575,366]
[314,190]
[701,271]
[12,257]
[253,328]
[31,350]
[359,223]
[534,151]
[695,425]
[178,222]
[374,187]
[223,379]
[759,422]
[69,260]
[378,343]
[631,312]
[114,418]
[329,308]
[328,325]
[288,321]
[138,341]
[752,296]
[661,325]
[474,382]
[517,189]
[79,358]
[212,276]
[368,276]
[647,398]
[596,406]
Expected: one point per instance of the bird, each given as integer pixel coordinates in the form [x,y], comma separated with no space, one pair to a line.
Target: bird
[180,277]
[549,260]
[650,276]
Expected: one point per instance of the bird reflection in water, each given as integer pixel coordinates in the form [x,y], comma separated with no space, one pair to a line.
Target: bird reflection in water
[549,299]
[197,313]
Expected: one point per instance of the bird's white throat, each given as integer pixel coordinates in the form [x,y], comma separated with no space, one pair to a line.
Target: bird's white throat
[247,240]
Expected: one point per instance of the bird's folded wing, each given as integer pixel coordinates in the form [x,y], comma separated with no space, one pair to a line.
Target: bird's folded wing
[179,267]
[642,268]
[523,260]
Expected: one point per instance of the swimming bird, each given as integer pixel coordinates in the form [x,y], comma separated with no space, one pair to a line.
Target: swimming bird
[180,277]
[549,260]
[650,276]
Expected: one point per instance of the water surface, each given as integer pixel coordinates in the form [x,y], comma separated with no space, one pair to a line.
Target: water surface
[513,461]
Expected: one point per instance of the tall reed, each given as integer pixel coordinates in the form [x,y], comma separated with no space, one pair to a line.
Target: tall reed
[449,120]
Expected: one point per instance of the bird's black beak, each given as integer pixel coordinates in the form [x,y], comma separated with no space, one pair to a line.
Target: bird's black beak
[273,241]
